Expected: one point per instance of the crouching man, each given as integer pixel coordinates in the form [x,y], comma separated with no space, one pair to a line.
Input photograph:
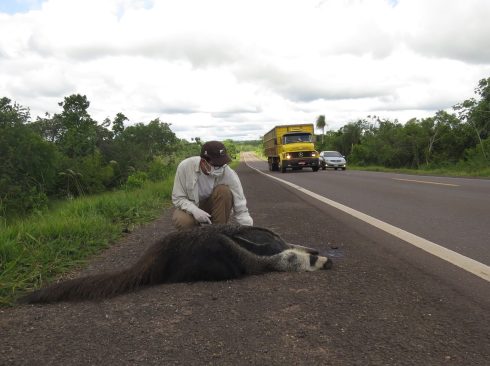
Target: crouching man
[207,191]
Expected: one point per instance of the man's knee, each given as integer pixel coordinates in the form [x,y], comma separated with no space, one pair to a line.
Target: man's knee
[222,191]
[183,220]
[222,202]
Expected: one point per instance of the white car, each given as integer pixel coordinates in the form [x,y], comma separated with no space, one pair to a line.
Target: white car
[332,159]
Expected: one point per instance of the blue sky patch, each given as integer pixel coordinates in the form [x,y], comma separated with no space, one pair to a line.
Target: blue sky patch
[19,6]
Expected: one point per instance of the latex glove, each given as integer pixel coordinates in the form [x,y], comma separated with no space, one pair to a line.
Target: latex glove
[201,216]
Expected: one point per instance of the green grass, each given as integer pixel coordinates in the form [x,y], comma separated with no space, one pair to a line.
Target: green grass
[456,171]
[260,153]
[234,163]
[39,248]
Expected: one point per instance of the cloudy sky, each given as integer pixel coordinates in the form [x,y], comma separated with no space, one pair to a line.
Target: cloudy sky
[220,69]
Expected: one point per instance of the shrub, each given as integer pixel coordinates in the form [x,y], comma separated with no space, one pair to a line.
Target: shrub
[136,180]
[161,168]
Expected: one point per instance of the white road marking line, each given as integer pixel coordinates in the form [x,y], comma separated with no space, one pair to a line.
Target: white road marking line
[479,269]
[426,182]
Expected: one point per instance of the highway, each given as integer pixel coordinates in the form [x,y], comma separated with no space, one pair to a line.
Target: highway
[452,212]
[448,218]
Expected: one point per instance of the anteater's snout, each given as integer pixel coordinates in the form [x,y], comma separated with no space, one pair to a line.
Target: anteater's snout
[328,264]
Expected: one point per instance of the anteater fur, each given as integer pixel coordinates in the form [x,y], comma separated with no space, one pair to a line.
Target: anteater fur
[207,253]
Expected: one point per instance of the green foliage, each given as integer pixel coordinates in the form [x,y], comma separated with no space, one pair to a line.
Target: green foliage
[248,145]
[441,140]
[476,112]
[69,154]
[38,248]
[72,181]
[136,180]
[185,149]
[138,145]
[50,129]
[12,114]
[84,175]
[475,158]
[430,142]
[118,123]
[446,138]
[321,123]
[78,130]
[161,168]
[95,175]
[28,164]
[231,148]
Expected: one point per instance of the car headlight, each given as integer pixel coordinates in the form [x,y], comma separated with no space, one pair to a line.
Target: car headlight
[313,154]
[288,156]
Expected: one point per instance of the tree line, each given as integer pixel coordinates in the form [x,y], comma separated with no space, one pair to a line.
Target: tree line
[460,138]
[69,154]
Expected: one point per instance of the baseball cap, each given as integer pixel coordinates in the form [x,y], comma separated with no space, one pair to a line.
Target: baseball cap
[215,153]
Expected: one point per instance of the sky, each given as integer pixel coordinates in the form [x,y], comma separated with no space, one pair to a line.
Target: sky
[233,69]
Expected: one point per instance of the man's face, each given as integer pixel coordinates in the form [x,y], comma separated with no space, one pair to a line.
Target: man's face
[206,166]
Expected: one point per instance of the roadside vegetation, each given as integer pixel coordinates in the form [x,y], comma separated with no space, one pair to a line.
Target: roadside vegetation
[45,244]
[456,144]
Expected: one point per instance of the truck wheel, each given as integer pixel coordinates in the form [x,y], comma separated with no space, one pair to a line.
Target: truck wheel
[324,167]
[315,168]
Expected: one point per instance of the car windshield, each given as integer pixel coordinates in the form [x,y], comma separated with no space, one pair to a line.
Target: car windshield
[299,137]
[332,154]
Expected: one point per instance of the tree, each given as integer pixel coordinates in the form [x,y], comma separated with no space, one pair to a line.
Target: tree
[350,135]
[230,148]
[320,124]
[28,164]
[413,142]
[139,144]
[79,131]
[12,114]
[476,112]
[118,123]
[382,144]
[446,138]
[49,128]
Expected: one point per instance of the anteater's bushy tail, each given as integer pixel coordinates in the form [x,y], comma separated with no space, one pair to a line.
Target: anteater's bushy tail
[88,288]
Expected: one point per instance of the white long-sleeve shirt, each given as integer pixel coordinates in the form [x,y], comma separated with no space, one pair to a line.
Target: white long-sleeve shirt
[185,194]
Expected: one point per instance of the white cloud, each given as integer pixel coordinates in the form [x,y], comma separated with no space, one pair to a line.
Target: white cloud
[233,69]
[447,29]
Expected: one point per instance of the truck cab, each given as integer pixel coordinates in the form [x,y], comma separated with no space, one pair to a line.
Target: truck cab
[291,147]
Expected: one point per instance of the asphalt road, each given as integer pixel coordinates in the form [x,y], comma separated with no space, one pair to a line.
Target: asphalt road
[384,302]
[452,212]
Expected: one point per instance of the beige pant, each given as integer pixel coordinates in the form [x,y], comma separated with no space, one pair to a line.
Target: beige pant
[218,205]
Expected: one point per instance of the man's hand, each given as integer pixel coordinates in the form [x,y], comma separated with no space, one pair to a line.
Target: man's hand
[201,216]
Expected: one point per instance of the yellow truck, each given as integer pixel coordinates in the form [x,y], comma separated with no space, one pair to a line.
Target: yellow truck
[291,147]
